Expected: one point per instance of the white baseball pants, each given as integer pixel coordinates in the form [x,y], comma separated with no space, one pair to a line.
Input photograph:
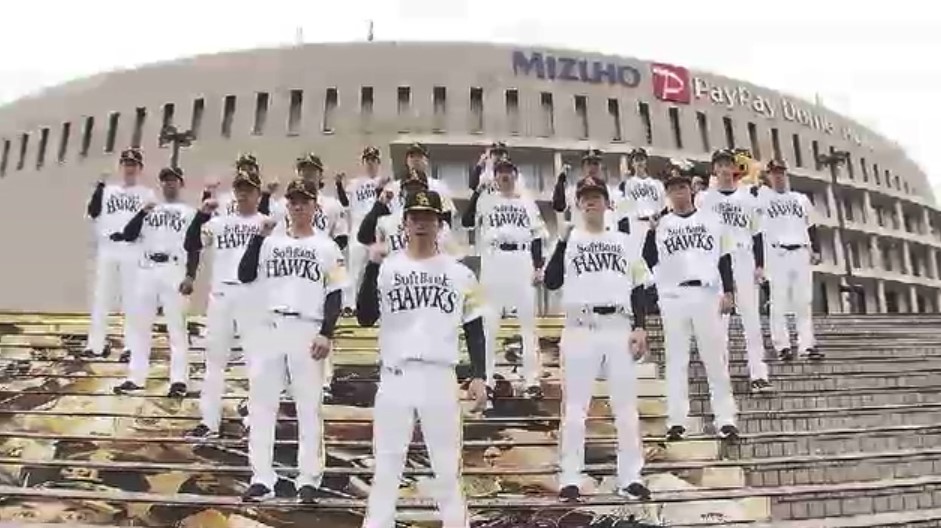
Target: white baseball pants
[158,284]
[229,304]
[746,304]
[792,290]
[585,350]
[507,281]
[287,350]
[358,257]
[431,391]
[695,311]
[116,263]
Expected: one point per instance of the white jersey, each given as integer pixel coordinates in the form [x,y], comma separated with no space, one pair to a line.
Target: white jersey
[423,303]
[362,194]
[786,217]
[296,274]
[508,220]
[688,249]
[738,211]
[390,230]
[329,219]
[601,269]
[164,229]
[611,216]
[229,235]
[119,204]
[643,197]
[488,178]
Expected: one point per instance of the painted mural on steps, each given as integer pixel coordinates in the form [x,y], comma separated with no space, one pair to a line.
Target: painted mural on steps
[82,454]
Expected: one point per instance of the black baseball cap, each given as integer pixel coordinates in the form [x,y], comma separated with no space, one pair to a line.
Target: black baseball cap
[637,153]
[723,154]
[414,181]
[248,177]
[777,165]
[677,181]
[498,147]
[591,156]
[591,184]
[309,160]
[423,200]
[504,165]
[417,148]
[132,156]
[371,153]
[302,187]
[167,173]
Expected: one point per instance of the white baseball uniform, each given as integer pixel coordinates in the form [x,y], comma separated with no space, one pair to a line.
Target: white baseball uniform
[230,303]
[111,208]
[507,228]
[294,278]
[787,219]
[597,273]
[644,198]
[361,193]
[686,249]
[422,305]
[162,269]
[740,214]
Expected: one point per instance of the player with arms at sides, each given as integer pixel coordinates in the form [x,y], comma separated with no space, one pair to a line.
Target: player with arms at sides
[111,207]
[602,277]
[739,213]
[422,297]
[510,235]
[230,301]
[563,198]
[416,166]
[300,277]
[161,229]
[694,281]
[358,197]
[793,248]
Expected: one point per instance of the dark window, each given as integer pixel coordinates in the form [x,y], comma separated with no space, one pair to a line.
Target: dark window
[864,168]
[295,112]
[199,106]
[330,101]
[905,186]
[675,126]
[548,114]
[477,109]
[365,106]
[798,154]
[729,132]
[898,184]
[513,111]
[614,110]
[24,144]
[848,209]
[581,113]
[850,170]
[228,114]
[776,144]
[644,110]
[112,131]
[64,141]
[140,117]
[4,157]
[815,150]
[753,141]
[261,113]
[703,123]
[439,96]
[168,110]
[875,173]
[87,132]
[41,152]
[404,100]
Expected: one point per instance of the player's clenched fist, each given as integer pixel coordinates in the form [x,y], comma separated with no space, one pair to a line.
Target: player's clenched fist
[272,186]
[320,347]
[186,287]
[149,206]
[727,303]
[209,206]
[267,226]
[639,343]
[212,184]
[477,391]
[377,252]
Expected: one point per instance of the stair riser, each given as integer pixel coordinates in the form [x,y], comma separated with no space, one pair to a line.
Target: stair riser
[831,444]
[831,383]
[812,506]
[828,367]
[834,472]
[783,423]
[785,402]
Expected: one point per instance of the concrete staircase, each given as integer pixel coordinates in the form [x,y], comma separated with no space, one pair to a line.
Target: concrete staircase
[853,440]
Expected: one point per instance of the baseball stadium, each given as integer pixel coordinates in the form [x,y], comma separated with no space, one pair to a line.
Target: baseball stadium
[850,441]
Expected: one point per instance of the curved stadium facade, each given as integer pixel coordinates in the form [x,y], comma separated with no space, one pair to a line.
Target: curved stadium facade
[877,211]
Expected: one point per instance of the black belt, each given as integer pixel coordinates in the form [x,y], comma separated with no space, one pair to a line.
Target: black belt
[604,310]
[285,313]
[645,218]
[691,283]
[160,258]
[789,247]
[510,246]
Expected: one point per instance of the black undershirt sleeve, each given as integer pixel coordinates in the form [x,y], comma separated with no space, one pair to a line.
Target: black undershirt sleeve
[206,195]
[639,306]
[367,299]
[725,273]
[341,195]
[624,225]
[474,338]
[133,228]
[94,205]
[194,240]
[535,251]
[469,218]
[555,270]
[474,180]
[248,266]
[558,194]
[342,241]
[367,230]
[332,306]
[758,249]
[814,239]
[447,217]
[264,205]
[651,256]
[192,263]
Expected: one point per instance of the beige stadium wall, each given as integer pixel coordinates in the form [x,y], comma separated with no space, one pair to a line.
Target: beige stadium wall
[49,250]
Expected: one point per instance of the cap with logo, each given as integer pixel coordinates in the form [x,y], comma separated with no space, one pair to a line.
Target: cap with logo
[777,165]
[168,173]
[423,200]
[637,153]
[417,148]
[504,165]
[132,155]
[498,147]
[248,177]
[589,185]
[371,153]
[723,154]
[677,181]
[592,156]
[309,160]
[246,162]
[414,180]
[302,187]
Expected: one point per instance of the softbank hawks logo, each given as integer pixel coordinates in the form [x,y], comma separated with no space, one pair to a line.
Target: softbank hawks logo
[365,192]
[731,214]
[414,290]
[166,219]
[789,207]
[642,192]
[597,257]
[294,262]
[508,215]
[686,238]
[235,236]
[130,203]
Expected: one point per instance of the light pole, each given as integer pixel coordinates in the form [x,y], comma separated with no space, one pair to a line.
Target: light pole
[833,161]
[176,139]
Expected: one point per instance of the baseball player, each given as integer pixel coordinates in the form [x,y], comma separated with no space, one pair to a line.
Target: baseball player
[691,253]
[483,172]
[603,302]
[359,199]
[644,196]
[230,301]
[111,207]
[416,165]
[738,210]
[300,276]
[226,200]
[510,235]
[161,229]
[563,198]
[422,298]
[793,246]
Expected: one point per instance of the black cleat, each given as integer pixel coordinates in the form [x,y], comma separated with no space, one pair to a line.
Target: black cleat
[177,390]
[534,392]
[125,356]
[676,433]
[91,354]
[348,312]
[307,494]
[761,385]
[128,387]
[242,408]
[786,354]
[728,432]
[570,493]
[201,432]
[257,493]
[635,491]
[813,354]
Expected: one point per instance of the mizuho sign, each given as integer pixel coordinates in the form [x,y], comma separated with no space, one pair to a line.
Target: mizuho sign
[578,69]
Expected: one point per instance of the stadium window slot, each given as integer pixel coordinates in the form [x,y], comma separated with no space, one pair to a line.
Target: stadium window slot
[196,122]
[888,178]
[365,107]
[703,124]
[513,111]
[581,112]
[64,141]
[87,132]
[169,109]
[675,127]
[24,144]
[905,186]
[295,112]
[4,157]
[112,134]
[330,100]
[439,96]
[404,107]
[41,151]
[865,169]
[753,140]
[477,110]
[140,118]
[729,132]
[261,113]
[798,154]
[644,110]
[228,114]
[614,110]
[815,150]
[875,173]
[548,114]
[776,144]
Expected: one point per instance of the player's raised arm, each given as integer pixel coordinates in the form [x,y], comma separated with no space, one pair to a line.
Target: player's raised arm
[367,299]
[469,218]
[341,227]
[94,204]
[650,253]
[336,281]
[133,228]
[248,266]
[342,197]
[367,229]
[558,193]
[555,270]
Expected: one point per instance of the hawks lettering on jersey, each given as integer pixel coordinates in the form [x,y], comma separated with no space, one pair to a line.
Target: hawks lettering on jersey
[596,257]
[508,215]
[236,235]
[366,192]
[294,261]
[123,202]
[732,214]
[789,206]
[642,192]
[687,237]
[417,290]
[172,219]
[397,240]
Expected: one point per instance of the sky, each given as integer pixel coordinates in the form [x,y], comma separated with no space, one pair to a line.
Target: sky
[877,62]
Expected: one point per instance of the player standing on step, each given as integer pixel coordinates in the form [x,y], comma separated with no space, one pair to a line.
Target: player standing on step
[161,229]
[739,212]
[563,198]
[644,196]
[300,277]
[694,282]
[603,302]
[793,247]
[111,207]
[509,237]
[230,301]
[416,166]
[422,297]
